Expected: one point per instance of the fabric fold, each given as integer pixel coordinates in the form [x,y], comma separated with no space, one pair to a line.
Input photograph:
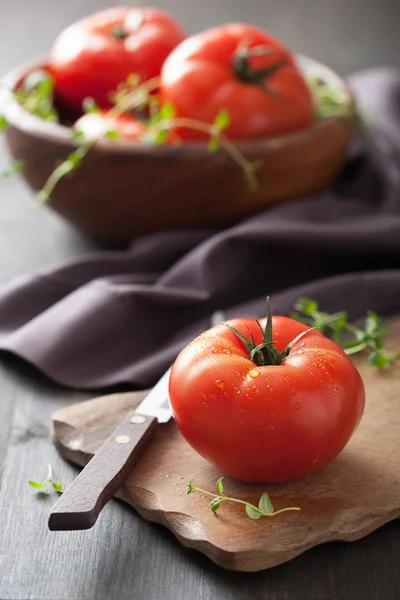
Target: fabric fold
[122,317]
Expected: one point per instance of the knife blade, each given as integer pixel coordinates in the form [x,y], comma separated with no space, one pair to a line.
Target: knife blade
[81,503]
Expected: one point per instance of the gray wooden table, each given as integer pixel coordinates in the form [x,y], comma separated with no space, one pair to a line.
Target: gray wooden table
[125,557]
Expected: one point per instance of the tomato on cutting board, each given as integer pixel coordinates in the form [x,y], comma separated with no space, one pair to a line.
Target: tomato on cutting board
[92,56]
[280,415]
[244,70]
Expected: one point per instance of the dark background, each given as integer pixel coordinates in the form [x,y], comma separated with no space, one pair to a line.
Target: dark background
[125,557]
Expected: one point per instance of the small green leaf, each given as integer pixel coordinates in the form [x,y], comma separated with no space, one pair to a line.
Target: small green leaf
[306,306]
[3,123]
[265,504]
[40,81]
[166,112]
[16,167]
[213,145]
[156,136]
[36,484]
[78,136]
[219,485]
[189,488]
[73,161]
[222,120]
[215,504]
[133,80]
[252,512]
[89,105]
[57,486]
[378,360]
[112,134]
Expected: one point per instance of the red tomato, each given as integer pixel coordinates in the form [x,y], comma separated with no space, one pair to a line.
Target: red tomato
[91,57]
[266,423]
[244,70]
[97,124]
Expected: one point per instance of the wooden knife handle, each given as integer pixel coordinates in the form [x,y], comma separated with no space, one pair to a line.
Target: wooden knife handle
[80,505]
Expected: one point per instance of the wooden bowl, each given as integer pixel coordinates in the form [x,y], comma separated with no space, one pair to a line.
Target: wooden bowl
[123,189]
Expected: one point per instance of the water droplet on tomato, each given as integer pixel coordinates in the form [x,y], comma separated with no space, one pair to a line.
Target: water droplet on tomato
[295,406]
[238,391]
[254,373]
[220,384]
[214,350]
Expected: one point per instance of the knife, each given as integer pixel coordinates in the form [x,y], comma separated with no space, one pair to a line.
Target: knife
[81,503]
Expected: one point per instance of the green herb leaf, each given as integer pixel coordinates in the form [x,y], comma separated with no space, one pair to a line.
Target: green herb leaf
[36,484]
[113,135]
[78,136]
[215,504]
[89,105]
[16,167]
[189,488]
[378,359]
[336,326]
[133,80]
[265,504]
[252,512]
[330,100]
[306,306]
[166,112]
[213,145]
[222,120]
[3,123]
[36,95]
[45,485]
[73,160]
[156,136]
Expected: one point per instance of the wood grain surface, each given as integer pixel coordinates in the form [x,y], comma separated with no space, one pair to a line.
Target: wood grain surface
[351,497]
[103,563]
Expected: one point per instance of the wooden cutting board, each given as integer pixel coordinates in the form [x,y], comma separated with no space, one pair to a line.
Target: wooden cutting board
[354,495]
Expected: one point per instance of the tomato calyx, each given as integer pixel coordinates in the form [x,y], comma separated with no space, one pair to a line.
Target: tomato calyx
[119,32]
[266,354]
[244,71]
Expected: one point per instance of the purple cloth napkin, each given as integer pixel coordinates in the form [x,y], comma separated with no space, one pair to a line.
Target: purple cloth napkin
[122,317]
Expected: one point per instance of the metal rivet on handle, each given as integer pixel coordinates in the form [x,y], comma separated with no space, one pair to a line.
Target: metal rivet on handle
[122,439]
[137,419]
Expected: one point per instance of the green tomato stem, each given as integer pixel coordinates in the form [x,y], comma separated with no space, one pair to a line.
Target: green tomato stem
[247,166]
[228,498]
[59,172]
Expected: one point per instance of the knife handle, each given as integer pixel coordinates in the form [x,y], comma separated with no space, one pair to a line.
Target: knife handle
[80,505]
